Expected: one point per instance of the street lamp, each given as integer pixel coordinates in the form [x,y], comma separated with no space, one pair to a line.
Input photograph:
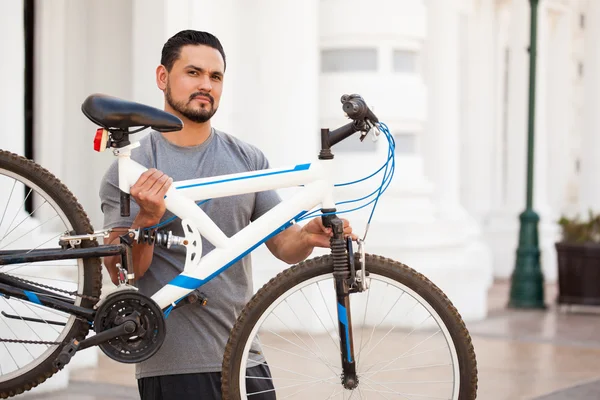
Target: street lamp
[527,280]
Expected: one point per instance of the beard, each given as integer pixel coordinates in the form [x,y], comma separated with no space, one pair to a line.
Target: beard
[198,115]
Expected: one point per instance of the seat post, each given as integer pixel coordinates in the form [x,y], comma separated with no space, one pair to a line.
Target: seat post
[119,138]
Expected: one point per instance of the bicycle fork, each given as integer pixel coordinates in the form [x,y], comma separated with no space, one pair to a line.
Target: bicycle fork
[343,278]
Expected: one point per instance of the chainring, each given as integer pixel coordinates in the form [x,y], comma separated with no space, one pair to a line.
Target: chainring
[145,341]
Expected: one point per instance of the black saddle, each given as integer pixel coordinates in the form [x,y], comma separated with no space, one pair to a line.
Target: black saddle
[111,112]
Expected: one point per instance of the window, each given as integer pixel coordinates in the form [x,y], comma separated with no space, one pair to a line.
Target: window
[349,60]
[405,61]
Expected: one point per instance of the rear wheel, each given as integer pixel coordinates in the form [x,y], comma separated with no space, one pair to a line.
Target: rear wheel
[55,211]
[409,340]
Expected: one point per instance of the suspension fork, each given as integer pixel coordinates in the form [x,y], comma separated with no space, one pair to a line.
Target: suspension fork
[341,276]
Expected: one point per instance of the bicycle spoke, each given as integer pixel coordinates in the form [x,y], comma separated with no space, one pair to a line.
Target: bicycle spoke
[15,217]
[24,265]
[383,319]
[321,321]
[52,310]
[43,223]
[29,326]
[406,356]
[10,354]
[286,387]
[17,337]
[37,315]
[289,352]
[335,328]
[362,329]
[279,379]
[284,369]
[308,332]
[392,391]
[380,340]
[46,279]
[405,395]
[306,388]
[334,393]
[23,220]
[415,346]
[377,391]
[326,362]
[6,208]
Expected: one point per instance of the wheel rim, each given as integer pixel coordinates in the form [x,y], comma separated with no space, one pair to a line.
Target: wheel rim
[287,387]
[14,234]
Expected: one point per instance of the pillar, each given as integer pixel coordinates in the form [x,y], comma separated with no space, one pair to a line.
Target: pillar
[478,110]
[276,90]
[511,137]
[590,141]
[11,97]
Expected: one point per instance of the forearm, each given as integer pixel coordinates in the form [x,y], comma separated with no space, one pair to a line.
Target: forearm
[290,245]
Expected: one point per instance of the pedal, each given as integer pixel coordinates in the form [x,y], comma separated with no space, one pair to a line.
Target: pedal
[66,354]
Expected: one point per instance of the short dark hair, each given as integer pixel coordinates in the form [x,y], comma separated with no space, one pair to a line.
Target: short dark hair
[172,48]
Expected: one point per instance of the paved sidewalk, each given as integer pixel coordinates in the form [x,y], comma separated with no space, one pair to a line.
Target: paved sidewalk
[521,355]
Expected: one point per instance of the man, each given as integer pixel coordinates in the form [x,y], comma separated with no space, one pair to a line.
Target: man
[188,364]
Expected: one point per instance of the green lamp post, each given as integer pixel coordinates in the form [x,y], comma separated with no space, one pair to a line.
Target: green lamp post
[527,280]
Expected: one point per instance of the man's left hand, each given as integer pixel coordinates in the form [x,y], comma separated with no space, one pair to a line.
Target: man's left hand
[317,235]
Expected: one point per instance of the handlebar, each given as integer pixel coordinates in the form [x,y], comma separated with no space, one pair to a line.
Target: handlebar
[355,107]
[363,120]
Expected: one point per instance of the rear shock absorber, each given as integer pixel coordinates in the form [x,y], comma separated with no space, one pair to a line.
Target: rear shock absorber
[159,237]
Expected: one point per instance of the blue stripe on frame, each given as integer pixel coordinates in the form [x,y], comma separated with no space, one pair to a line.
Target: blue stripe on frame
[299,167]
[32,297]
[189,282]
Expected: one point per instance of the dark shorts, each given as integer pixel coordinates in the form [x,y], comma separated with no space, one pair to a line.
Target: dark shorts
[205,386]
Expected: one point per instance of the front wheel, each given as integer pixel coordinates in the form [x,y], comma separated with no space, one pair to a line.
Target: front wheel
[409,340]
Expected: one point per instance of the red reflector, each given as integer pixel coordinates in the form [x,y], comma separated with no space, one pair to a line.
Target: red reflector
[98,139]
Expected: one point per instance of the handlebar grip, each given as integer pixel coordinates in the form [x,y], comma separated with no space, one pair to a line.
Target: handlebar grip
[355,107]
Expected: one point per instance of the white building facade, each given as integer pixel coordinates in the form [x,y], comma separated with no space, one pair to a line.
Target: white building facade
[449,77]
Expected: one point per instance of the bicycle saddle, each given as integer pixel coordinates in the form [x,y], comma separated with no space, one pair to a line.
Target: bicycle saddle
[111,112]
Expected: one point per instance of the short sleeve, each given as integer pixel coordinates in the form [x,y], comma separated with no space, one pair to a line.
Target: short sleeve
[264,200]
[110,201]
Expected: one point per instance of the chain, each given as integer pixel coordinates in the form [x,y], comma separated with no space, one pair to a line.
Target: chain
[53,288]
[45,287]
[29,341]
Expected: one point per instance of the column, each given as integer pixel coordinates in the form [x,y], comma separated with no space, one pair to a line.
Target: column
[11,96]
[478,111]
[276,90]
[442,69]
[154,21]
[550,16]
[590,141]
[510,153]
[502,230]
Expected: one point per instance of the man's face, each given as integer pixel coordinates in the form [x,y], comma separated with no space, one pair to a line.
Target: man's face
[195,83]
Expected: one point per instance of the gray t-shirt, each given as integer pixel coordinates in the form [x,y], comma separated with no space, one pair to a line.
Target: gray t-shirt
[196,335]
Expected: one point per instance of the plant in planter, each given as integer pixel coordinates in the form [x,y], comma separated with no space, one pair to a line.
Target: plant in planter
[579,261]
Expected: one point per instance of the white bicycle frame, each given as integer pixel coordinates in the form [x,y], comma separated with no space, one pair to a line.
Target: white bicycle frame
[182,197]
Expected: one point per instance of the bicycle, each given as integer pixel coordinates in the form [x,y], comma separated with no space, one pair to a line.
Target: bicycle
[130,327]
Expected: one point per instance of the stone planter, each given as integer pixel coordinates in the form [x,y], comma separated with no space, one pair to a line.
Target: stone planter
[578,273]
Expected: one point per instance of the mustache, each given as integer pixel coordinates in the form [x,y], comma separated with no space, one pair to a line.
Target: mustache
[202,94]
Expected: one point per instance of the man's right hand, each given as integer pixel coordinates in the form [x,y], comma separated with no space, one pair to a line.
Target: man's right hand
[149,193]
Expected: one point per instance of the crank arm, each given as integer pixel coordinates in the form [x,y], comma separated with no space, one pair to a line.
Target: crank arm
[127,327]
